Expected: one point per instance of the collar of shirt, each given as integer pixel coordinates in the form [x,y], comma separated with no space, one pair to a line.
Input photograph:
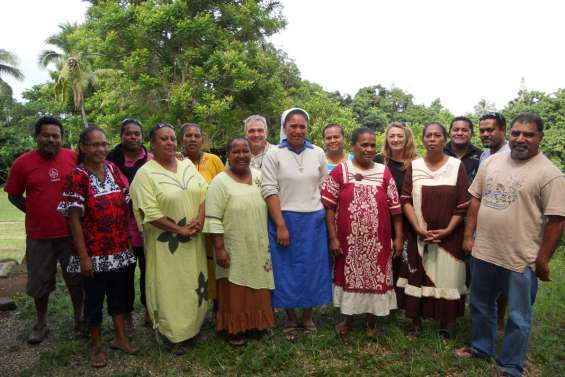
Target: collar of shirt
[285,144]
[472,152]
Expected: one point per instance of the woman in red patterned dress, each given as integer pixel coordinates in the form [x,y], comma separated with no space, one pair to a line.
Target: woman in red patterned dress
[95,200]
[360,197]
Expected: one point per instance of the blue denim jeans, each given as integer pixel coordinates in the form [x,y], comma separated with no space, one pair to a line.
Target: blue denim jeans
[490,281]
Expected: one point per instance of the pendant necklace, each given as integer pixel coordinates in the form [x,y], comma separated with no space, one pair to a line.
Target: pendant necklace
[300,162]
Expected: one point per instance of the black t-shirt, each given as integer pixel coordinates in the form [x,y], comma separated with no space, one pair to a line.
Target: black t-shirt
[396,169]
[471,159]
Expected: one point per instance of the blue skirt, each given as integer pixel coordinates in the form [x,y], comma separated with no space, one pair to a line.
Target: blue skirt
[302,270]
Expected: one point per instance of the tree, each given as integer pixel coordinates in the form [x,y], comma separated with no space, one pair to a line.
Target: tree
[8,67]
[483,106]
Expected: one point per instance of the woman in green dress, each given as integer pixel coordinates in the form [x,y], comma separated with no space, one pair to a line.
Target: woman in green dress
[236,218]
[168,202]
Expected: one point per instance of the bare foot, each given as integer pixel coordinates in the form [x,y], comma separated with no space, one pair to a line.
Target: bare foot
[124,345]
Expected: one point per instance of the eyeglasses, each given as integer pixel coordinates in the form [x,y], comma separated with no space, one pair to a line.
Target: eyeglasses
[131,120]
[158,127]
[96,145]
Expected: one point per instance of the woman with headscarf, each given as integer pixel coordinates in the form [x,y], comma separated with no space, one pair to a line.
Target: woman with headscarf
[292,174]
[168,202]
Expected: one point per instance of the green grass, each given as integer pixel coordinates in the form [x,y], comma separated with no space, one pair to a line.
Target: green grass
[390,354]
[12,234]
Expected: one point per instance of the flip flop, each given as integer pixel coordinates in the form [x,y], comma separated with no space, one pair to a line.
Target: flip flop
[236,340]
[464,353]
[117,346]
[291,332]
[310,329]
[414,332]
[341,329]
[98,358]
[38,334]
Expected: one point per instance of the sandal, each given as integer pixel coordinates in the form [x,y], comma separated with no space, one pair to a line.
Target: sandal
[236,340]
[468,353]
[310,329]
[98,358]
[342,329]
[125,349]
[371,326]
[179,349]
[266,334]
[291,332]
[414,332]
[38,334]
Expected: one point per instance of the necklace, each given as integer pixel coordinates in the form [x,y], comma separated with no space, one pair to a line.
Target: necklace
[299,162]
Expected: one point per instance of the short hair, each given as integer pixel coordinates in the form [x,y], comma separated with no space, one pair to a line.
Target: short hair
[461,119]
[333,125]
[127,121]
[157,127]
[443,130]
[498,117]
[186,126]
[356,134]
[47,120]
[84,137]
[255,118]
[529,118]
[229,145]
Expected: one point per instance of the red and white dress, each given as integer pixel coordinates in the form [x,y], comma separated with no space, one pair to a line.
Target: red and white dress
[364,201]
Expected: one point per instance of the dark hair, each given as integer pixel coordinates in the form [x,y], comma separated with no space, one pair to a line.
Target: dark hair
[461,119]
[356,134]
[333,125]
[127,121]
[47,120]
[157,127]
[229,145]
[83,139]
[186,126]
[529,118]
[443,130]
[498,117]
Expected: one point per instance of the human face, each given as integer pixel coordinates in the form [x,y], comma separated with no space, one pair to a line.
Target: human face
[396,139]
[524,140]
[192,141]
[256,134]
[333,139]
[460,133]
[296,129]
[164,143]
[491,134]
[433,138]
[132,137]
[49,140]
[365,149]
[239,156]
[95,149]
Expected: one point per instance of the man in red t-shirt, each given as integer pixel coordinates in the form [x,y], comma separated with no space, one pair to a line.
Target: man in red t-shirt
[40,175]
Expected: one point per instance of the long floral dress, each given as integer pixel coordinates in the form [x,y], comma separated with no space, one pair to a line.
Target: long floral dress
[364,201]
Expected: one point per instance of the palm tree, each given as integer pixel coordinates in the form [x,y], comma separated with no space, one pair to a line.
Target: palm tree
[8,67]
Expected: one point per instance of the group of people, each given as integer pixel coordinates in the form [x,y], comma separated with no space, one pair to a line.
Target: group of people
[293,226]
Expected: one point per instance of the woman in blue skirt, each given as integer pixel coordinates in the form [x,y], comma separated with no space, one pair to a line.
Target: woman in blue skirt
[292,174]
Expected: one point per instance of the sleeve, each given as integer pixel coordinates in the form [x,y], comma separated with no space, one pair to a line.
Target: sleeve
[476,188]
[331,187]
[406,193]
[75,192]
[323,167]
[552,194]
[463,197]
[16,183]
[218,165]
[216,201]
[121,180]
[144,199]
[393,200]
[269,172]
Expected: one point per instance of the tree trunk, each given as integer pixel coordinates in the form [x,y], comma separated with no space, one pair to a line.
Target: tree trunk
[83,114]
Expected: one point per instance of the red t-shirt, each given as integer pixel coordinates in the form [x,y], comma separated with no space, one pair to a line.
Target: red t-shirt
[42,179]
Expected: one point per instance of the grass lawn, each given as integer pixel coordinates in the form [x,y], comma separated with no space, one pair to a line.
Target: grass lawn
[389,354]
[12,235]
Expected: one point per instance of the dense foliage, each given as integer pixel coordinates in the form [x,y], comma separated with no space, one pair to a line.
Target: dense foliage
[208,62]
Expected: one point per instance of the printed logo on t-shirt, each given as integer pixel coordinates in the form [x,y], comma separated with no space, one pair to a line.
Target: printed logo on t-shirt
[499,196]
[54,175]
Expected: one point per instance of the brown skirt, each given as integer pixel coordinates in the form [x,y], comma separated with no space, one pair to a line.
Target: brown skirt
[242,308]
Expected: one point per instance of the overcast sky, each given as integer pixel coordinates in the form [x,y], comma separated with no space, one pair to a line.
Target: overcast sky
[459,51]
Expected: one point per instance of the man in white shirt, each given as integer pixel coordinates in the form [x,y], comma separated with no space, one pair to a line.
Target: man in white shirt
[492,129]
[256,132]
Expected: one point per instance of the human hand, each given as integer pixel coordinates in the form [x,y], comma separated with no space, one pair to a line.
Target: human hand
[335,248]
[179,156]
[438,234]
[283,238]
[86,266]
[222,257]
[542,269]
[398,246]
[468,243]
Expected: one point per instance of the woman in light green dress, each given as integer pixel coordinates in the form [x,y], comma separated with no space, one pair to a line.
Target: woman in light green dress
[236,218]
[168,202]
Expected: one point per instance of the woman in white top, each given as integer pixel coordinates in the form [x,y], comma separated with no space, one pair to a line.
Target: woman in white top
[292,174]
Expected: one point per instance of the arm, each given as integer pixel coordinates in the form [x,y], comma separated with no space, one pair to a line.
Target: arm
[398,242]
[19,201]
[274,205]
[222,256]
[471,225]
[78,240]
[438,234]
[411,216]
[198,221]
[551,236]
[332,232]
[167,225]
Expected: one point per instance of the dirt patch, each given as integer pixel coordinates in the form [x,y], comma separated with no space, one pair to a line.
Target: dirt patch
[15,283]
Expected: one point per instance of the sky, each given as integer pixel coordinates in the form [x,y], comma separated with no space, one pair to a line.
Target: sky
[461,51]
